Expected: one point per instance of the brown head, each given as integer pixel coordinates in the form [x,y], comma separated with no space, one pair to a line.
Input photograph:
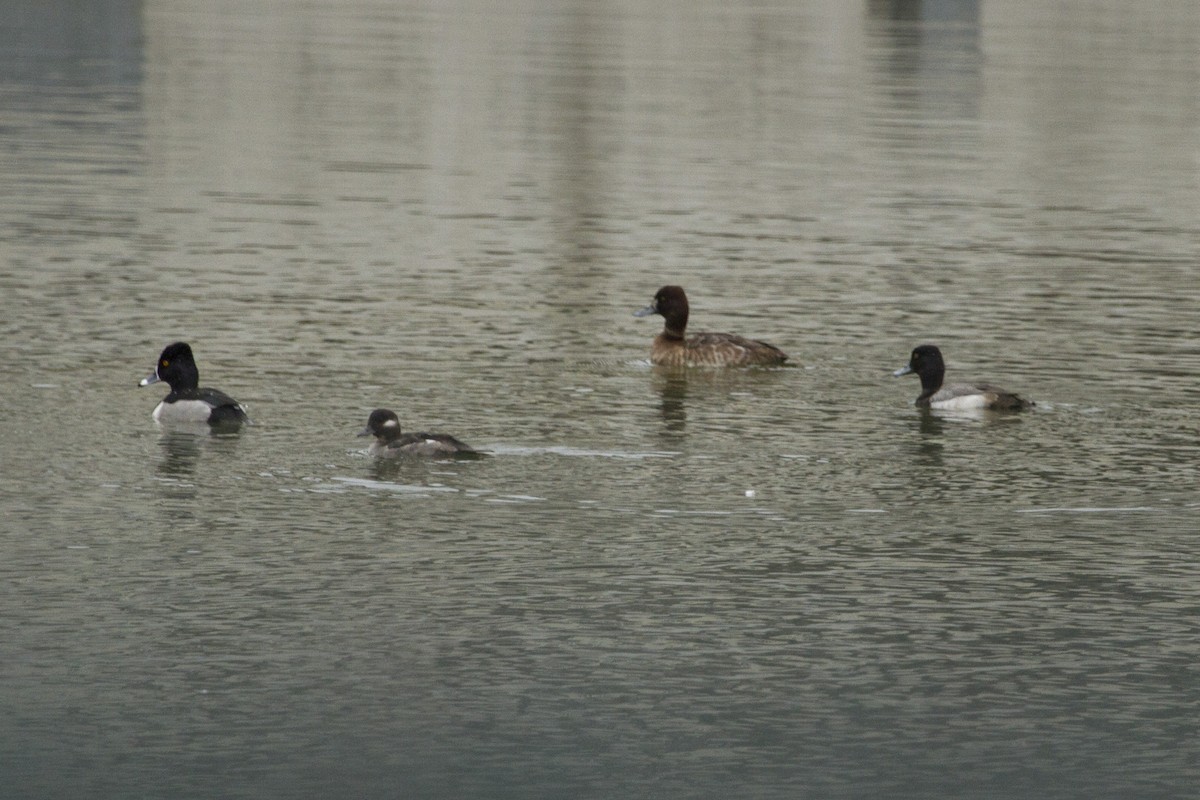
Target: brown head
[672,304]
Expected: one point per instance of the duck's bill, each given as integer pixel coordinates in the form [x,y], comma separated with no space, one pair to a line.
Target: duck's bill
[364,432]
[149,379]
[902,371]
[645,312]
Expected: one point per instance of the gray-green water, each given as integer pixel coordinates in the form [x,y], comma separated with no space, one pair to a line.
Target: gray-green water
[776,583]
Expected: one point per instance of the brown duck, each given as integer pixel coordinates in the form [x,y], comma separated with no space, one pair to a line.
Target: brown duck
[672,348]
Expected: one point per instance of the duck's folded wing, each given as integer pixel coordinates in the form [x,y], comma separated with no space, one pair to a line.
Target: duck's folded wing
[729,348]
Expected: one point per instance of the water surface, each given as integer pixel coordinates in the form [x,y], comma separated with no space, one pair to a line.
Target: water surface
[763,583]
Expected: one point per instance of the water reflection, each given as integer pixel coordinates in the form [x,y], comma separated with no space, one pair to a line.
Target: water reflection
[717,392]
[181,451]
[183,446]
[927,68]
[409,476]
[82,44]
[419,470]
[71,80]
[374,192]
[930,447]
[672,388]
[932,12]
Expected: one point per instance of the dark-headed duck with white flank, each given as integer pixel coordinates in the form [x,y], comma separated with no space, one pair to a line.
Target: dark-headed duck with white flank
[187,401]
[926,362]
[389,442]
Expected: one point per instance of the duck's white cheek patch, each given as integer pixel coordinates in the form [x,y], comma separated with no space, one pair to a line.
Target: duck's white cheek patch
[964,403]
[391,423]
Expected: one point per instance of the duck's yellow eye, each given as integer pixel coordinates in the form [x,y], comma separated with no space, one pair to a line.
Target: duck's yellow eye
[165,363]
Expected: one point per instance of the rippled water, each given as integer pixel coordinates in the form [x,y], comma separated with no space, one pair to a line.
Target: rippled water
[763,583]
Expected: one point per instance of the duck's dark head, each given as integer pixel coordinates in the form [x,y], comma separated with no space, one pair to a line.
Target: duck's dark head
[672,304]
[926,362]
[382,424]
[176,367]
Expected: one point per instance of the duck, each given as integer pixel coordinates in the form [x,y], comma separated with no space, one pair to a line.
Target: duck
[389,442]
[188,402]
[673,348]
[926,361]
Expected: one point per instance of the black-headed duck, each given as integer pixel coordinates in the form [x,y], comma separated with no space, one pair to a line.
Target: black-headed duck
[389,442]
[926,362]
[187,401]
